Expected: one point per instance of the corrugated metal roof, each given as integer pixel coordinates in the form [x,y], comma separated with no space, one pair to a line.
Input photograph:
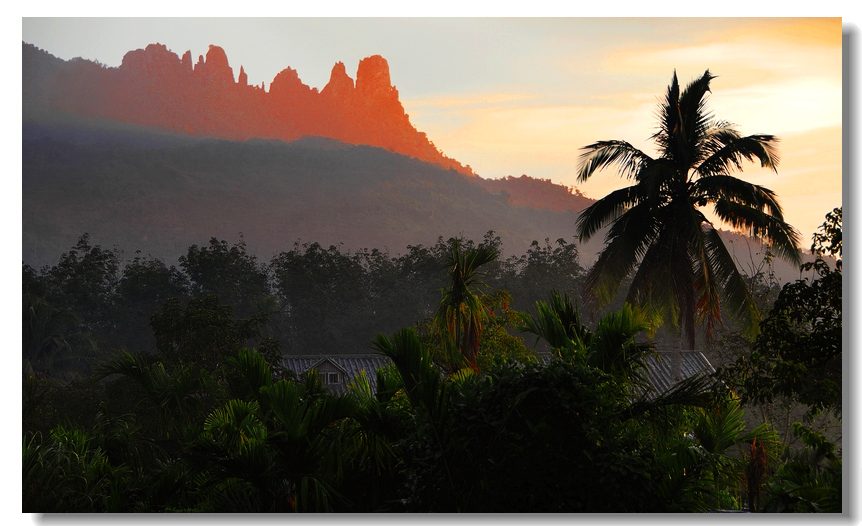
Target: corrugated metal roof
[658,366]
[351,364]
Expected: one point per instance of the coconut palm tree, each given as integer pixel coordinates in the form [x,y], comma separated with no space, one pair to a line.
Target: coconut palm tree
[682,272]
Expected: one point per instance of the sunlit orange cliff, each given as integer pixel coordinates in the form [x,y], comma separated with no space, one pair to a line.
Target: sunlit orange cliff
[155,87]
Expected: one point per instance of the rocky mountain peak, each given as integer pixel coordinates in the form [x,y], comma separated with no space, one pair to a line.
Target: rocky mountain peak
[340,86]
[187,61]
[215,68]
[372,79]
[154,60]
[288,85]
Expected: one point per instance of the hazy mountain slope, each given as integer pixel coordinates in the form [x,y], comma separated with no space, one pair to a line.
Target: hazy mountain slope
[537,193]
[162,199]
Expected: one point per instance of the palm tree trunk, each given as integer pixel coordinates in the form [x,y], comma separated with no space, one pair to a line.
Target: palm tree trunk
[676,361]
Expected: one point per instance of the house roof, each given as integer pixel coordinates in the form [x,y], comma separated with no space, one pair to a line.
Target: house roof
[658,366]
[350,365]
[333,362]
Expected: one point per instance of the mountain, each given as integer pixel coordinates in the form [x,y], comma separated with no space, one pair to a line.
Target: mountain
[537,193]
[159,154]
[154,87]
[161,194]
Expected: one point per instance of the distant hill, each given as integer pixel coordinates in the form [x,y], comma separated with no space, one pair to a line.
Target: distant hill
[537,193]
[160,194]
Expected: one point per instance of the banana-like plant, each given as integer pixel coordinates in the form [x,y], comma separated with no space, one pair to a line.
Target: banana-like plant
[612,347]
[423,382]
[176,395]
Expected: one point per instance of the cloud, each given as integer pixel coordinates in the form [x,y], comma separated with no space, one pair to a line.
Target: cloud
[790,106]
[463,101]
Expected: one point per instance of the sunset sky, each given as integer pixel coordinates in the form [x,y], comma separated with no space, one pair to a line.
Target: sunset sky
[521,96]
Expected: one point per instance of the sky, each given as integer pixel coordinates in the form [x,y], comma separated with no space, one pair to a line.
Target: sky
[512,96]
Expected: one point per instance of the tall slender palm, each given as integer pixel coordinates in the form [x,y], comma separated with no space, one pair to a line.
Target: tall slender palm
[461,310]
[682,270]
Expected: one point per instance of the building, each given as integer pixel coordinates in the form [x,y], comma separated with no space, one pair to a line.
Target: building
[338,370]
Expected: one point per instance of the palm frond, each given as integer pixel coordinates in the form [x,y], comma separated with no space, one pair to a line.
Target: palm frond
[656,182]
[708,292]
[715,137]
[734,289]
[692,105]
[607,153]
[695,391]
[388,383]
[729,150]
[605,210]
[132,365]
[628,239]
[715,187]
[235,423]
[683,121]
[613,348]
[665,280]
[422,381]
[248,372]
[669,118]
[558,322]
[783,238]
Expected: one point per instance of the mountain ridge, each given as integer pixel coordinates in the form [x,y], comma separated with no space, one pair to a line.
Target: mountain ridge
[155,87]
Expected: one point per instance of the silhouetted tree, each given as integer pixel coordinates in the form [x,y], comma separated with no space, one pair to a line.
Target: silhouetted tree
[682,270]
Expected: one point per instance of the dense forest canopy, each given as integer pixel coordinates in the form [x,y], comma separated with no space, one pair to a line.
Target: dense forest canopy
[154,387]
[316,300]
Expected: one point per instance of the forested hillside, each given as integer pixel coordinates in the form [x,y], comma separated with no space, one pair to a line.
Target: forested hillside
[159,196]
